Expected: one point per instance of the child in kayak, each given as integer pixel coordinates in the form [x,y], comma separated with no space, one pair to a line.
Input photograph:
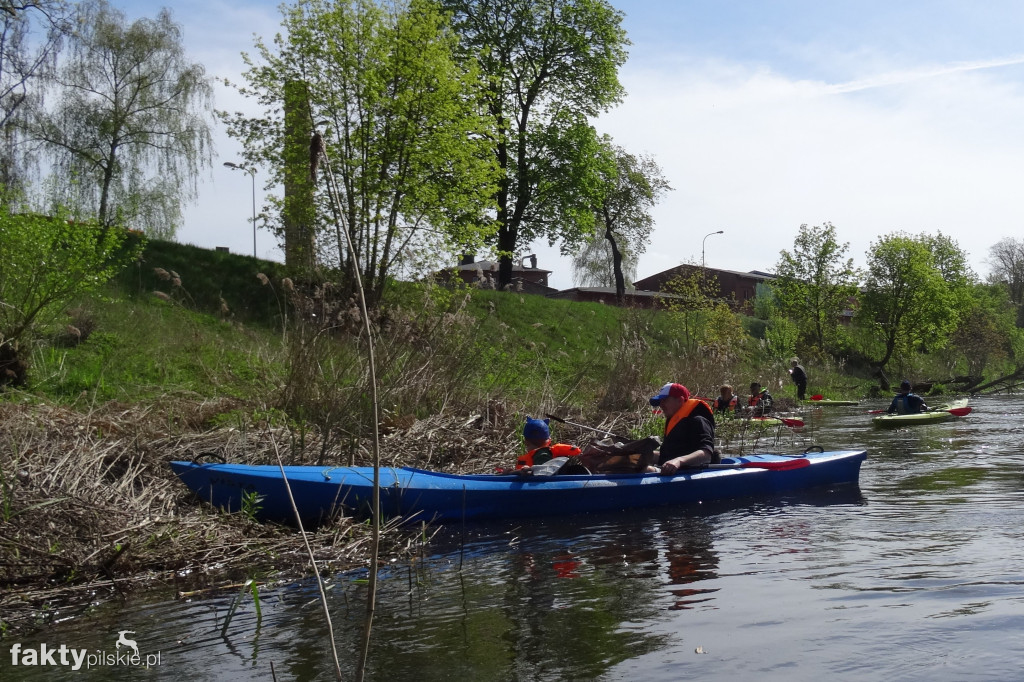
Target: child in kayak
[539,449]
[727,402]
[760,401]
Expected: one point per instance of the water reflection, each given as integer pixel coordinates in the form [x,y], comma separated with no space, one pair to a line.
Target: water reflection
[690,558]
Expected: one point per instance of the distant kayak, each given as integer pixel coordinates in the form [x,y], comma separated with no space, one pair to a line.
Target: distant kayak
[823,403]
[895,420]
[766,421]
[940,414]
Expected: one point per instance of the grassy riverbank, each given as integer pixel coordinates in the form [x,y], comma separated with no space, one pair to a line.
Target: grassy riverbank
[195,351]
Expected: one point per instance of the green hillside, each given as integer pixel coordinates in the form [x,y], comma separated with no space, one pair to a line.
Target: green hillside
[192,321]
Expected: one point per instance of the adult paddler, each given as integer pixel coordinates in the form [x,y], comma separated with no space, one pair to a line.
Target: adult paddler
[689,439]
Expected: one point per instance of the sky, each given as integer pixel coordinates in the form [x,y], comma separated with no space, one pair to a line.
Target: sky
[875,116]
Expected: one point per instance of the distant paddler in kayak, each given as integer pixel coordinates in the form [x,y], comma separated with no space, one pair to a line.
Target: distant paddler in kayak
[760,401]
[539,448]
[906,402]
[727,403]
[689,439]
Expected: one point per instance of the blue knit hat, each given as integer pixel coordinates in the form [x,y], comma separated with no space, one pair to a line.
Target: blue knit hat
[536,429]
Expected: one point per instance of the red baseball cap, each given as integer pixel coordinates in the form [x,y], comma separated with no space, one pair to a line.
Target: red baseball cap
[670,390]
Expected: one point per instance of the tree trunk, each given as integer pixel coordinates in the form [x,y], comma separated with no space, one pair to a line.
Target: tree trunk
[108,179]
[506,244]
[299,213]
[620,281]
[507,233]
[1006,381]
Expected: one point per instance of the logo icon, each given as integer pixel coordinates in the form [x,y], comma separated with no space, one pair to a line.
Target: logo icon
[129,643]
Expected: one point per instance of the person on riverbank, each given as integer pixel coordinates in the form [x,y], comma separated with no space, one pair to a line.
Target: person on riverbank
[727,402]
[539,448]
[760,401]
[689,438]
[906,402]
[799,377]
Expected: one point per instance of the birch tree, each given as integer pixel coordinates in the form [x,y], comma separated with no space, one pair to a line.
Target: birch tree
[130,129]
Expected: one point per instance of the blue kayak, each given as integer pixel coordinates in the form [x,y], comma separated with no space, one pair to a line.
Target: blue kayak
[414,494]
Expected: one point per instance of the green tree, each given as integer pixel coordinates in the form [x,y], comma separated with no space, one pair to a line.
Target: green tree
[630,189]
[703,324]
[401,129]
[985,332]
[547,67]
[951,263]
[45,263]
[1006,257]
[31,34]
[130,130]
[906,304]
[815,284]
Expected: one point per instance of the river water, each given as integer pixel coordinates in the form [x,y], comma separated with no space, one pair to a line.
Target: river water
[917,574]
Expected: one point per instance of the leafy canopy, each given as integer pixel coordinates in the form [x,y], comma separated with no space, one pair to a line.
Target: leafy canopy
[914,293]
[129,131]
[630,187]
[403,135]
[815,284]
[547,67]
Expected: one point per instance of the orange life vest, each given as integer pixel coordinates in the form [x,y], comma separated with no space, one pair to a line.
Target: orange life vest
[556,450]
[688,407]
[719,407]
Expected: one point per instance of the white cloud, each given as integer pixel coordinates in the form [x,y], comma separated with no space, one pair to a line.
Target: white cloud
[757,154]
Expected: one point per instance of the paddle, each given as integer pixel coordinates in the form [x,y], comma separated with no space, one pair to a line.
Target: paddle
[784,465]
[583,426]
[791,423]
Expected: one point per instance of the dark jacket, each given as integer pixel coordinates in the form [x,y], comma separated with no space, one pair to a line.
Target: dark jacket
[907,403]
[761,403]
[693,432]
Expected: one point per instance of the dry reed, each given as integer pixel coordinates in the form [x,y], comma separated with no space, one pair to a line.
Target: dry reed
[89,508]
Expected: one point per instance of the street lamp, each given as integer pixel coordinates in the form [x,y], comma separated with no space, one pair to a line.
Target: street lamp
[702,246]
[252,173]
